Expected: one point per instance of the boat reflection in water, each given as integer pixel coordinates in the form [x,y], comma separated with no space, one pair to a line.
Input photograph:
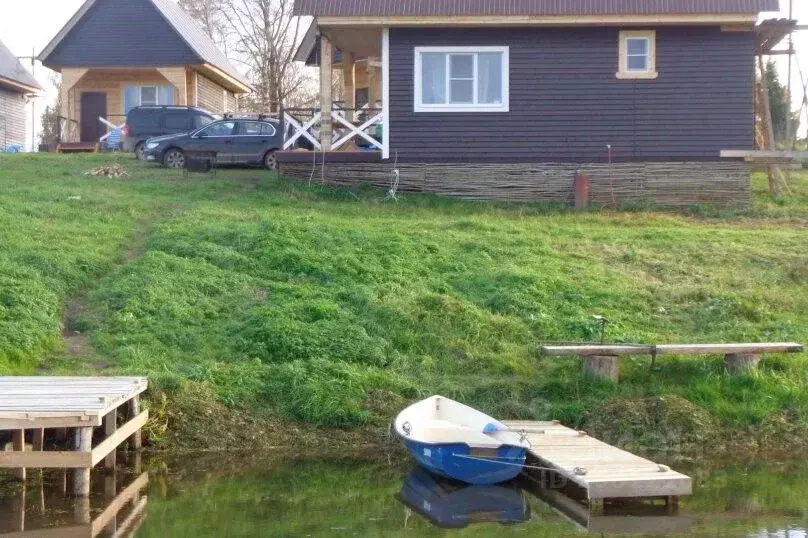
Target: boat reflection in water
[451,504]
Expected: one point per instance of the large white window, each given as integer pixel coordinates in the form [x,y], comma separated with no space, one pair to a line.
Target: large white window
[458,79]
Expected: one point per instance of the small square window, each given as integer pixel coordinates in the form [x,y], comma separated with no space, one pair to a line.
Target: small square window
[637,55]
[148,95]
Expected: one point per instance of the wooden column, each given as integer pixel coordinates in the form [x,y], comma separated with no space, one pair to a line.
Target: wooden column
[374,83]
[136,440]
[602,367]
[326,98]
[349,80]
[741,363]
[67,98]
[386,92]
[81,477]
[110,426]
[18,445]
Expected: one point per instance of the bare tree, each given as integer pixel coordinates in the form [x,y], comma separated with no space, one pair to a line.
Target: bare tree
[209,15]
[264,35]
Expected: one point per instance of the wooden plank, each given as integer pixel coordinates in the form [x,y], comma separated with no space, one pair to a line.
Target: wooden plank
[111,511]
[763,154]
[62,420]
[724,349]
[45,460]
[123,433]
[673,349]
[590,350]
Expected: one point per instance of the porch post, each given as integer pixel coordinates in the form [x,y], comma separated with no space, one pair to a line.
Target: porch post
[349,78]
[386,93]
[326,99]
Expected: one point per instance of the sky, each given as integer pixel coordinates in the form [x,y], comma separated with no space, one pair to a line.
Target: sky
[27,25]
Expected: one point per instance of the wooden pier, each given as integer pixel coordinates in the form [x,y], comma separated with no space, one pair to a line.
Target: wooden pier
[47,410]
[602,471]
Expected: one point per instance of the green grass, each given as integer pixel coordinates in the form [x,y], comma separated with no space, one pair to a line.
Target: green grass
[335,306]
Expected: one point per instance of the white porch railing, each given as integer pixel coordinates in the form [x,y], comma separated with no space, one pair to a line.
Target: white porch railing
[302,127]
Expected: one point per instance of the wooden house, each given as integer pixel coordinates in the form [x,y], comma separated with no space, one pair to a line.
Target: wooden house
[510,99]
[17,86]
[114,55]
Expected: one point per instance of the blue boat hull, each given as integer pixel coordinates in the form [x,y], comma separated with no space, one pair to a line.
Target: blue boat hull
[455,461]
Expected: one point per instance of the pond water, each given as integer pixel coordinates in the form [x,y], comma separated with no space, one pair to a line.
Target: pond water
[221,495]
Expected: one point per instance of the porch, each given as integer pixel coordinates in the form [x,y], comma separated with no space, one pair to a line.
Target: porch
[351,121]
[95,101]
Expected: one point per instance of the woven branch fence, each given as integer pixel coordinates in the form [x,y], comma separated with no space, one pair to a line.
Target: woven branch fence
[664,184]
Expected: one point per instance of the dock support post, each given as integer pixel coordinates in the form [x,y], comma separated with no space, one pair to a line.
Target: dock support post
[602,367]
[39,440]
[110,425]
[741,363]
[18,445]
[81,477]
[136,440]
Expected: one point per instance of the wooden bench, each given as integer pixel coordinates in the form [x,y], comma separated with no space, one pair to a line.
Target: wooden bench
[603,361]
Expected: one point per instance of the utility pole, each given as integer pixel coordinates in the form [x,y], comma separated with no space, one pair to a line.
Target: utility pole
[32,57]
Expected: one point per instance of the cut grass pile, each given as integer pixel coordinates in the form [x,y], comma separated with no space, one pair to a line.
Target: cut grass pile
[333,307]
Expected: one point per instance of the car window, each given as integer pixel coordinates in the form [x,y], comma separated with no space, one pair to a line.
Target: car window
[201,121]
[178,119]
[144,119]
[255,128]
[222,128]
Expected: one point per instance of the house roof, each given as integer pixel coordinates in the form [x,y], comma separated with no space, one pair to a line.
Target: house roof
[13,74]
[405,8]
[184,25]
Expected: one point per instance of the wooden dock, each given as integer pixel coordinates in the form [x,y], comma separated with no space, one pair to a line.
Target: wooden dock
[46,409]
[604,472]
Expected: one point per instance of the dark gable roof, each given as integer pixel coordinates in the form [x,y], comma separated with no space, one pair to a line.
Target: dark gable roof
[12,70]
[201,46]
[546,8]
[193,34]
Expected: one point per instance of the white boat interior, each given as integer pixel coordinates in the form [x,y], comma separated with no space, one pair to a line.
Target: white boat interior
[440,420]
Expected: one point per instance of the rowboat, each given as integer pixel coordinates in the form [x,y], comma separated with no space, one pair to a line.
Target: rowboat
[450,504]
[457,441]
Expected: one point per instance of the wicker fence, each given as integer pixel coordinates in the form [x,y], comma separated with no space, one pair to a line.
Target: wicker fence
[666,184]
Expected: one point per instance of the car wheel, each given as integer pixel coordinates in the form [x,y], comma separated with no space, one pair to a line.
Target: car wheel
[271,161]
[174,158]
[140,149]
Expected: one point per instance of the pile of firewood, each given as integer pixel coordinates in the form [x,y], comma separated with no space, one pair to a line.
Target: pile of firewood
[115,170]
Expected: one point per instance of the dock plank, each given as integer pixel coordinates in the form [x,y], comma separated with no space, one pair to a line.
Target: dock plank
[604,471]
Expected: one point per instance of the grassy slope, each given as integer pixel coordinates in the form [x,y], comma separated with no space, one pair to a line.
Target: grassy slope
[333,307]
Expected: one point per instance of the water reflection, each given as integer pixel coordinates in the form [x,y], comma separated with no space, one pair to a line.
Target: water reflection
[43,507]
[452,505]
[201,496]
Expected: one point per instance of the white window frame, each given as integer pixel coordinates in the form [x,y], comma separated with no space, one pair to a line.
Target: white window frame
[420,106]
[650,72]
[156,95]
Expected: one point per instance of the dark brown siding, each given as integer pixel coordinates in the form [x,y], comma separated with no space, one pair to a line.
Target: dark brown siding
[347,8]
[12,118]
[567,105]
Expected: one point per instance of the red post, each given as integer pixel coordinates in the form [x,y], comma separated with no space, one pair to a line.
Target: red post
[581,185]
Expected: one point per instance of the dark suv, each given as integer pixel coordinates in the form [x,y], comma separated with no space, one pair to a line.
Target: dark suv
[146,122]
[232,140]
